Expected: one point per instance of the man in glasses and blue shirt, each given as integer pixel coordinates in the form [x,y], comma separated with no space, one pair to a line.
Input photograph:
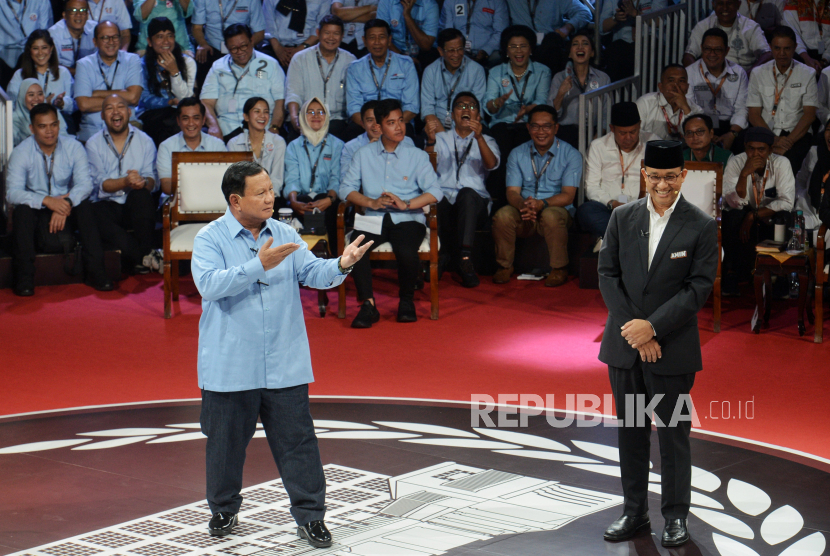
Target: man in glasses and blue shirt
[481,24]
[74,35]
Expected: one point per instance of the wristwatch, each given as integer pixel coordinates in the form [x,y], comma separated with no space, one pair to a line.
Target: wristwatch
[545,204]
[429,144]
[610,205]
[343,270]
[407,204]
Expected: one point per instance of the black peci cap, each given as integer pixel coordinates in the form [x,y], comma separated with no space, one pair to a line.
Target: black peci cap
[664,155]
[759,135]
[625,114]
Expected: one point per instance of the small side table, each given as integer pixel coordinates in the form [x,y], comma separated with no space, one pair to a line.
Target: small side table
[319,245]
[766,264]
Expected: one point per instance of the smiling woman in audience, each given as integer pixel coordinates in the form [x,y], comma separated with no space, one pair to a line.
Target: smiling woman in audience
[29,95]
[268,148]
[40,61]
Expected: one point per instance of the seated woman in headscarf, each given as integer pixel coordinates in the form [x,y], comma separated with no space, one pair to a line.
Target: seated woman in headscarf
[268,148]
[29,95]
[312,168]
[167,76]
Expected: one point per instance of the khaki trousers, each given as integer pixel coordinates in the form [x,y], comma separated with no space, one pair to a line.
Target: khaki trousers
[552,224]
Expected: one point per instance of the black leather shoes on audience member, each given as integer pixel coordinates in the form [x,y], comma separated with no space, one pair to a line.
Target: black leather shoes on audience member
[24,290]
[316,533]
[675,533]
[222,523]
[367,316]
[469,278]
[105,285]
[406,311]
[626,527]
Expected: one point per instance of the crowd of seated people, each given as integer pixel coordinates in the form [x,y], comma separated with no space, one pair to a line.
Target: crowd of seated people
[347,101]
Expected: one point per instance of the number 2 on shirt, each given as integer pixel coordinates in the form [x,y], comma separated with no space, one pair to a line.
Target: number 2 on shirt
[460,9]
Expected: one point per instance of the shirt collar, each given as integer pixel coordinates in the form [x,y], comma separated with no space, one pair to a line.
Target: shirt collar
[39,151]
[382,150]
[457,136]
[669,211]
[102,63]
[130,131]
[775,71]
[534,151]
[235,228]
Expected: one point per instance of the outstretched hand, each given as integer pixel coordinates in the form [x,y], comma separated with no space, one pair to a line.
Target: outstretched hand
[272,257]
[352,253]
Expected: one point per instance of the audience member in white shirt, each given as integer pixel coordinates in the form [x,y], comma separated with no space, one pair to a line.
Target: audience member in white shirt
[663,111]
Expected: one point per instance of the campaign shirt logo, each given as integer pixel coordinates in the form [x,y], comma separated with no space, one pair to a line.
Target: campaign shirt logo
[270,147]
[505,82]
[33,17]
[490,11]
[394,23]
[326,157]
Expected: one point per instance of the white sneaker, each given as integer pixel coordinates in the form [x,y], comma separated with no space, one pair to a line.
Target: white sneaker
[598,245]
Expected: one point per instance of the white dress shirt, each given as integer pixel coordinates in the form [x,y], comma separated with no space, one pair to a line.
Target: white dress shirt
[730,103]
[655,109]
[603,174]
[657,225]
[772,12]
[799,91]
[746,40]
[779,188]
[823,108]
[806,28]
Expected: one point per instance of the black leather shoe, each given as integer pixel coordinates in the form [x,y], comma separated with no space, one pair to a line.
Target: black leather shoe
[406,311]
[626,527]
[469,278]
[24,290]
[316,533]
[105,285]
[367,316]
[222,524]
[675,533]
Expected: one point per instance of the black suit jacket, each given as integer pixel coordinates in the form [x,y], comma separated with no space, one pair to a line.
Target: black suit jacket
[669,294]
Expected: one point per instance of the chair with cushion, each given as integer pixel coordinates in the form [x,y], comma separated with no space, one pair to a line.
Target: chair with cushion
[703,188]
[821,277]
[196,199]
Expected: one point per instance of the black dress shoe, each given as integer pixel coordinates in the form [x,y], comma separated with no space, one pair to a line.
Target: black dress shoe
[675,533]
[222,524]
[316,533]
[367,316]
[105,285]
[24,290]
[406,311]
[626,527]
[469,278]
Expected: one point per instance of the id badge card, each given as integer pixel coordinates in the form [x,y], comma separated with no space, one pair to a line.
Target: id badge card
[350,30]
[448,121]
[232,105]
[623,198]
[223,48]
[539,38]
[468,46]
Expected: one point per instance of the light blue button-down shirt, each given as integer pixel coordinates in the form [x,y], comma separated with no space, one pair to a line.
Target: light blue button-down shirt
[177,144]
[401,82]
[67,44]
[353,30]
[27,182]
[276,24]
[425,13]
[272,155]
[63,84]
[252,333]
[110,10]
[486,20]
[353,146]
[17,21]
[501,80]
[123,73]
[564,170]
[262,77]
[298,165]
[549,15]
[448,146]
[439,86]
[206,13]
[406,172]
[139,155]
[305,80]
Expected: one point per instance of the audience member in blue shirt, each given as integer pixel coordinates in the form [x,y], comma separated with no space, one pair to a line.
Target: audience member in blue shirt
[446,77]
[190,116]
[47,181]
[481,24]
[40,61]
[122,163]
[354,14]
[268,148]
[372,134]
[393,182]
[74,35]
[381,74]
[254,359]
[242,74]
[177,11]
[542,178]
[290,25]
[115,11]
[312,168]
[17,21]
[167,76]
[109,71]
[29,95]
[414,24]
[465,156]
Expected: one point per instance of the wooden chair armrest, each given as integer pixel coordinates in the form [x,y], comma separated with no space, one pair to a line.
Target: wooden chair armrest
[432,217]
[166,210]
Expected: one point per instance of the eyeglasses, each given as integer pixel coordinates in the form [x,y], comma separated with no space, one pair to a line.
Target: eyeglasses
[315,112]
[454,50]
[696,133]
[514,47]
[465,106]
[710,50]
[238,49]
[73,11]
[543,127]
[654,180]
[109,38]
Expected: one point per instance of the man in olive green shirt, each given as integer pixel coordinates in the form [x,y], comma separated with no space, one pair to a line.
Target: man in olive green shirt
[699,132]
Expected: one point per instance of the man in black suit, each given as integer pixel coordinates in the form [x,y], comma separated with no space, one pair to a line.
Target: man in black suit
[657,267]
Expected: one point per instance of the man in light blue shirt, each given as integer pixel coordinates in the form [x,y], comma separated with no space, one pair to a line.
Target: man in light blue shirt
[446,77]
[210,20]
[74,35]
[481,23]
[380,75]
[542,178]
[17,21]
[122,163]
[465,157]
[238,76]
[190,115]
[393,182]
[254,359]
[414,24]
[109,71]
[553,23]
[354,14]
[115,11]
[47,181]
[290,26]
[372,134]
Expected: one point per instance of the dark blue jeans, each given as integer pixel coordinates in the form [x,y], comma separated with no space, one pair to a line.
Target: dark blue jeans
[593,217]
[229,420]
